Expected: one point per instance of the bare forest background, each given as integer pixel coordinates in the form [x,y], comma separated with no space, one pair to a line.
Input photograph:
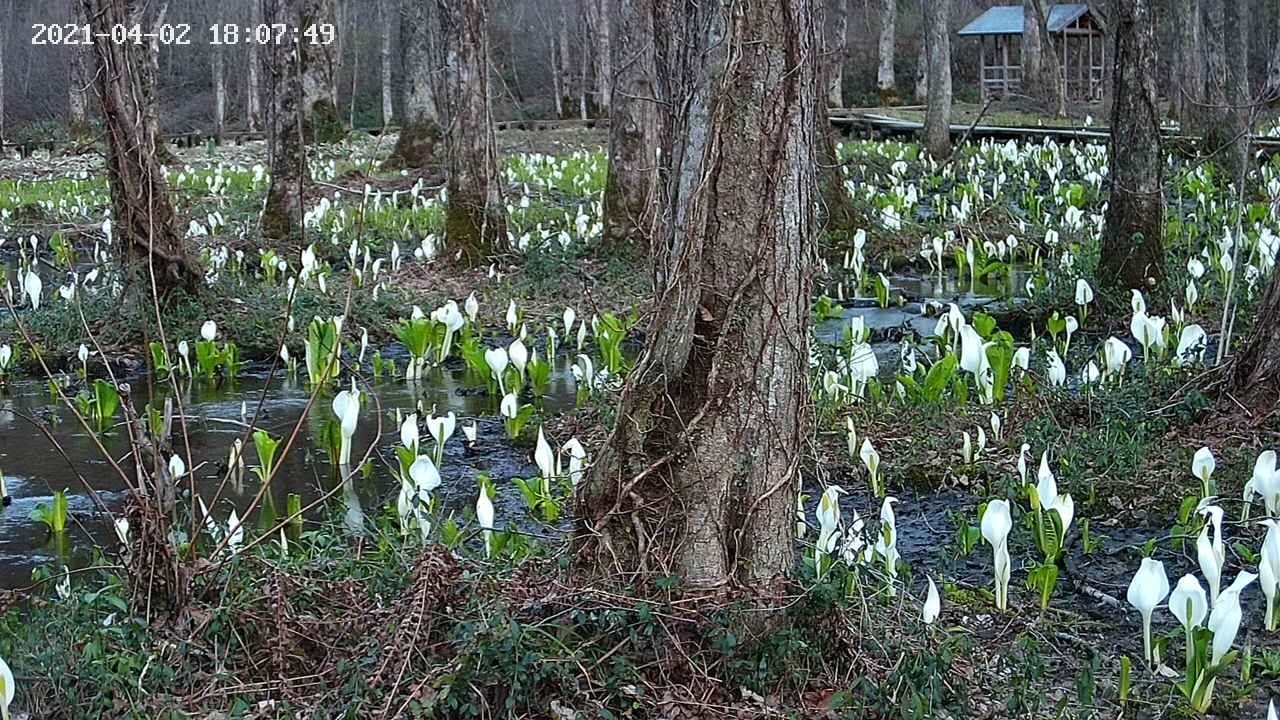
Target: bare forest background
[541,50]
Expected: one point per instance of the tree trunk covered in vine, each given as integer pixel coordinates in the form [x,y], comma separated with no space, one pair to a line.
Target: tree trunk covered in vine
[631,190]
[476,220]
[143,222]
[700,476]
[1132,247]
[282,215]
[937,120]
[422,40]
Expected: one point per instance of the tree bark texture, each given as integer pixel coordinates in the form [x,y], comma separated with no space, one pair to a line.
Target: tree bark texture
[143,221]
[385,13]
[78,82]
[321,121]
[937,121]
[1032,49]
[1213,124]
[1190,88]
[1132,248]
[282,214]
[253,83]
[921,94]
[1049,84]
[1256,368]
[219,91]
[1235,26]
[886,47]
[475,222]
[631,189]
[598,21]
[700,475]
[837,39]
[422,37]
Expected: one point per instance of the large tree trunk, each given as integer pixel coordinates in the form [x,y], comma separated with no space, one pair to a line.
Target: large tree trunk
[253,85]
[1190,90]
[422,40]
[1132,248]
[385,14]
[937,121]
[700,475]
[564,63]
[476,220]
[282,214]
[1256,368]
[885,49]
[837,41]
[631,190]
[142,218]
[321,121]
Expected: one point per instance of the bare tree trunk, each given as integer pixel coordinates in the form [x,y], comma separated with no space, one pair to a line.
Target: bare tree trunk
[937,121]
[219,91]
[1213,123]
[282,215]
[584,109]
[78,82]
[700,475]
[564,65]
[355,79]
[598,24]
[885,50]
[253,86]
[386,13]
[1255,370]
[1132,247]
[1190,90]
[837,40]
[1235,27]
[6,14]
[922,71]
[1272,88]
[631,190]
[1050,83]
[142,217]
[422,38]
[1032,50]
[321,121]
[476,220]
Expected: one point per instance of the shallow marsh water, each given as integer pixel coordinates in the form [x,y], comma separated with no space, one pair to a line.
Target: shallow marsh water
[35,470]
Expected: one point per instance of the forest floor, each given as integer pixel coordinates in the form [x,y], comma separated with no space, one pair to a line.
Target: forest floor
[375,624]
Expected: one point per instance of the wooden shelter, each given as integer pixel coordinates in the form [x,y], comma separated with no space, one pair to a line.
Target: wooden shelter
[1077,35]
